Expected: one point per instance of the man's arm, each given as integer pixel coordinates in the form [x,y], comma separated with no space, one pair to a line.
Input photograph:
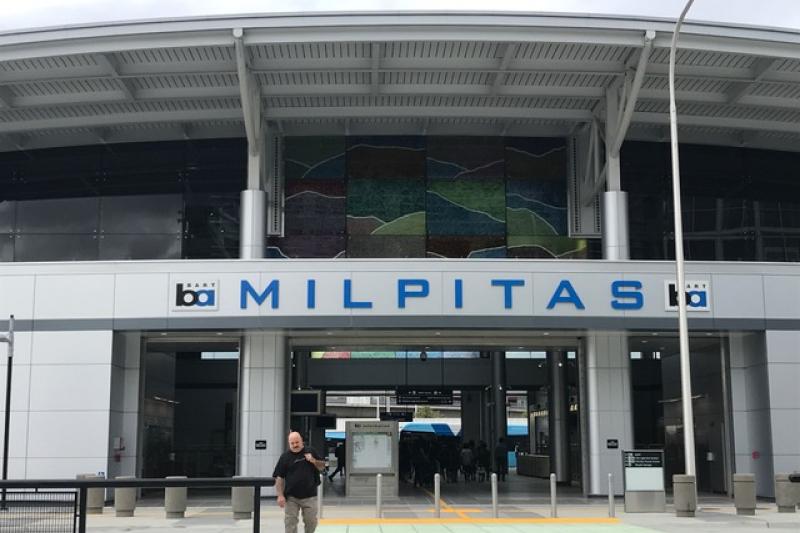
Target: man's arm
[279,491]
[319,464]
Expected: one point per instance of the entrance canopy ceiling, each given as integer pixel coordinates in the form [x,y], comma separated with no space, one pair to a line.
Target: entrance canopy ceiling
[432,73]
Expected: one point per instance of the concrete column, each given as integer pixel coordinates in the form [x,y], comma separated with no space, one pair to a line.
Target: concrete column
[499,396]
[750,403]
[262,397]
[252,226]
[783,373]
[615,225]
[614,201]
[253,219]
[471,414]
[558,409]
[608,407]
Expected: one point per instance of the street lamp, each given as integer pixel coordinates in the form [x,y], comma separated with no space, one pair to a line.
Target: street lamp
[9,339]
[683,326]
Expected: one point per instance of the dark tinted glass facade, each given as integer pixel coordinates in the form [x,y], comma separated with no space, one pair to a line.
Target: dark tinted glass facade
[738,204]
[165,200]
[412,196]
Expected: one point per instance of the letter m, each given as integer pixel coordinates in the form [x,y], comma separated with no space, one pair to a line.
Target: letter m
[259,297]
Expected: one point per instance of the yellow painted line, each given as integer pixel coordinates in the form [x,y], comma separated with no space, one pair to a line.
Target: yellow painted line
[443,504]
[447,509]
[464,520]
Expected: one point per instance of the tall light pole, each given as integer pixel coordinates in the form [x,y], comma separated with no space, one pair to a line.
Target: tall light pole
[683,325]
[9,339]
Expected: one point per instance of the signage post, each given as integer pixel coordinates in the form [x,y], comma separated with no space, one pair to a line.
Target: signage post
[371,448]
[8,338]
[643,481]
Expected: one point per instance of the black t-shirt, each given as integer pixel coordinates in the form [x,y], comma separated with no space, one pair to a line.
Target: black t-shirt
[300,476]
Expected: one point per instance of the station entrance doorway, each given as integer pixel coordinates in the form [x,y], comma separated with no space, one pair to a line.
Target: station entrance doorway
[464,412]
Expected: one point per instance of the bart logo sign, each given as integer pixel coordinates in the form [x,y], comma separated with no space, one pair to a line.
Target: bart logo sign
[697,294]
[195,295]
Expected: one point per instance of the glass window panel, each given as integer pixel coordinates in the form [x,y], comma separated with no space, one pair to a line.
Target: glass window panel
[386,206]
[546,247]
[465,157]
[466,207]
[378,246]
[700,213]
[536,208]
[7,216]
[6,247]
[314,158]
[219,246]
[785,248]
[700,249]
[143,246]
[141,214]
[65,215]
[386,157]
[466,246]
[645,167]
[314,207]
[536,158]
[211,226]
[34,247]
[307,246]
[741,249]
[59,173]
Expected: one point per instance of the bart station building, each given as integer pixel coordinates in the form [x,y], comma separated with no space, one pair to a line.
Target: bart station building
[199,216]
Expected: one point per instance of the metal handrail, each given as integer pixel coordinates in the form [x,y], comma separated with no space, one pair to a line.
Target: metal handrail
[82,485]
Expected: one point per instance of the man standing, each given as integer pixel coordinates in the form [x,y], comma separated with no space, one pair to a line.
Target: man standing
[296,479]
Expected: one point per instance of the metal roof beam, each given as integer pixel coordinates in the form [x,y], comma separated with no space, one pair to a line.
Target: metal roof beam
[111,68]
[509,52]
[738,89]
[290,113]
[633,93]
[375,70]
[117,119]
[719,122]
[250,94]
[6,97]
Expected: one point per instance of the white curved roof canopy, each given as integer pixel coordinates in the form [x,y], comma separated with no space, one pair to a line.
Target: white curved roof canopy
[434,73]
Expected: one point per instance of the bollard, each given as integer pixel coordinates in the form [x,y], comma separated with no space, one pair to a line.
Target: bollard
[553,508]
[378,489]
[684,495]
[784,494]
[744,494]
[95,498]
[494,495]
[437,495]
[242,503]
[319,499]
[175,500]
[611,509]
[125,499]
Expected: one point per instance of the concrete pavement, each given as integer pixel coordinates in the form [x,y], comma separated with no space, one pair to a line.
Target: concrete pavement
[474,519]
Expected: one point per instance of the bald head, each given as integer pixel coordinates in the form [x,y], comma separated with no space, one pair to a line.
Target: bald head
[295,442]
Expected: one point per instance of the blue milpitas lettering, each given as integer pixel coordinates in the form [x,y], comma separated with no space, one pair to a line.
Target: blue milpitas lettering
[348,297]
[259,297]
[404,291]
[571,297]
[507,285]
[627,294]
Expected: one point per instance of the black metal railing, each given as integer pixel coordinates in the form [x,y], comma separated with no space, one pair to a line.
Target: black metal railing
[37,510]
[79,487]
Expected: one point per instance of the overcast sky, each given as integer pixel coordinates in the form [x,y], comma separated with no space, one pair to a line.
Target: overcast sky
[20,14]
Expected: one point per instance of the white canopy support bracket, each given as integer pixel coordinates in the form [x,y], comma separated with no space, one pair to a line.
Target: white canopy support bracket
[633,94]
[250,93]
